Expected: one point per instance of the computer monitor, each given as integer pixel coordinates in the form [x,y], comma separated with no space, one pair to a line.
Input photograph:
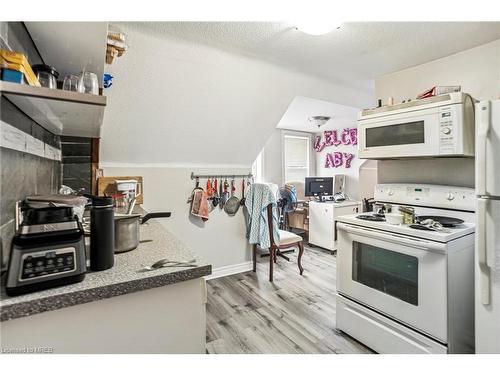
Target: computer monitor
[318,186]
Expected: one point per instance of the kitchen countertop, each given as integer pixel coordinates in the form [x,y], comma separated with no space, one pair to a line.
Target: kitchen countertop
[157,243]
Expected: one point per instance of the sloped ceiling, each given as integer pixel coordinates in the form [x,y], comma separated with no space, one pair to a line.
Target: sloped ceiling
[180,102]
[301,109]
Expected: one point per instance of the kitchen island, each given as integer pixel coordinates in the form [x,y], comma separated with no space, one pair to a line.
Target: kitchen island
[120,310]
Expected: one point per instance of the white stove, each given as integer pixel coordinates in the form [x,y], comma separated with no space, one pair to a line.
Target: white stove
[404,229]
[406,290]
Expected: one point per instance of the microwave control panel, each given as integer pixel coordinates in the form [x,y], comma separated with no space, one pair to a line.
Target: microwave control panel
[447,130]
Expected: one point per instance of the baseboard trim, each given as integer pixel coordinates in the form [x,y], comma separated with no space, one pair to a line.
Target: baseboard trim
[230,270]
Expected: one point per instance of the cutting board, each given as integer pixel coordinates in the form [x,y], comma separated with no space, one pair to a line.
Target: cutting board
[107,186]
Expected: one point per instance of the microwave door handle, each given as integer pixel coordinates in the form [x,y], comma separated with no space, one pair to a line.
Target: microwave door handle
[483,126]
[395,238]
[482,255]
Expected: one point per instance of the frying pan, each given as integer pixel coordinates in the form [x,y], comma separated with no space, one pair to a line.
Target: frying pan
[443,220]
[233,203]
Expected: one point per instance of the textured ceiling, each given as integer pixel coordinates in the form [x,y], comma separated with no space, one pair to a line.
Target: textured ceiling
[297,115]
[353,55]
[179,102]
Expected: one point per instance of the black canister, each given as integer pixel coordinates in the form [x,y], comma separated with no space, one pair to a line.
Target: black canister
[102,234]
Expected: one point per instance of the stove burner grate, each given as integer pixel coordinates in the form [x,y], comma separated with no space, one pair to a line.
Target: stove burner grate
[370,217]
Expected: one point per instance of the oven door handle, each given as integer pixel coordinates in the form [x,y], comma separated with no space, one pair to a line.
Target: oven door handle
[415,243]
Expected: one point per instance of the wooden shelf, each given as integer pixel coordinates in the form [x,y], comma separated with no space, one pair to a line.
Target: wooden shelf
[60,112]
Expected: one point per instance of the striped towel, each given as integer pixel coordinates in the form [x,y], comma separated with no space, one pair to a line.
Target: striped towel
[258,197]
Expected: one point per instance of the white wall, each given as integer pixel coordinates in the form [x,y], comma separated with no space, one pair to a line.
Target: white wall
[367,178]
[450,171]
[272,163]
[220,240]
[477,70]
[177,106]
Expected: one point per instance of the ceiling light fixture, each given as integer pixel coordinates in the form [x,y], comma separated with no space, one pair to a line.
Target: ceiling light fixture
[317,27]
[319,121]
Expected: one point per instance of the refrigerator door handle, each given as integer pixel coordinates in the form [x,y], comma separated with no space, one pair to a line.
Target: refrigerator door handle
[482,255]
[482,126]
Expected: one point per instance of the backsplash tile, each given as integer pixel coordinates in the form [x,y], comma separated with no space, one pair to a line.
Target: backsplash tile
[7,231]
[13,116]
[77,176]
[75,149]
[76,162]
[23,173]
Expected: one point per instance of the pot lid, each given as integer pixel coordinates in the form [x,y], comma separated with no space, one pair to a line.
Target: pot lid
[45,68]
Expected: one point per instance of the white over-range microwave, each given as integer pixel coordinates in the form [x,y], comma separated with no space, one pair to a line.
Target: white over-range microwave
[440,126]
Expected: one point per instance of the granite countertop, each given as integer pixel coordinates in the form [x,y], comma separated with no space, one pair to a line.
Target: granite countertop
[157,243]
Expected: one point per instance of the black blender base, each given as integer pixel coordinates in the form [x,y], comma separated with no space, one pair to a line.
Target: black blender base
[18,290]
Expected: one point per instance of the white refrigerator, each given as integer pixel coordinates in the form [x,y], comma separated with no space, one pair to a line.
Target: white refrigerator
[487,257]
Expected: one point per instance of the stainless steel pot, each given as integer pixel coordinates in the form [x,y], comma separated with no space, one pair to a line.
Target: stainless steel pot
[127,233]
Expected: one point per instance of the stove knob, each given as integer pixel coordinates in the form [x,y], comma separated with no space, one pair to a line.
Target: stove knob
[446,130]
[450,196]
[389,192]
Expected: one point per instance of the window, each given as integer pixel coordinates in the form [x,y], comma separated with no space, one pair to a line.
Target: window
[295,157]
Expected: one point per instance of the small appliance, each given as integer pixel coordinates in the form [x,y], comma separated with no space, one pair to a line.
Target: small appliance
[439,126]
[287,202]
[47,251]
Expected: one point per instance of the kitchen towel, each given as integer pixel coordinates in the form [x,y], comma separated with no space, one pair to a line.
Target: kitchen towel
[199,205]
[258,197]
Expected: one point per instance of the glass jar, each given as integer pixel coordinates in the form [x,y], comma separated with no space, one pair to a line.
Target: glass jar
[47,75]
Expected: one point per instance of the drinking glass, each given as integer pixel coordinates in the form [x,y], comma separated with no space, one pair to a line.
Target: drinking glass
[88,83]
[70,82]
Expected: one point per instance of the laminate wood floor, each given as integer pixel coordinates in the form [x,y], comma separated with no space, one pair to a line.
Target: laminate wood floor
[294,314]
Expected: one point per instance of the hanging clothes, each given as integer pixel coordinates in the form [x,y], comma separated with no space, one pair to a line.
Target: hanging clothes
[258,197]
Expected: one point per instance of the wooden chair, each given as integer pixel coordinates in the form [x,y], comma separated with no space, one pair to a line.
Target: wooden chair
[287,240]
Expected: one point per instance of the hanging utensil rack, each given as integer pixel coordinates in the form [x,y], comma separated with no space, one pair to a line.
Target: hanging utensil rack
[214,175]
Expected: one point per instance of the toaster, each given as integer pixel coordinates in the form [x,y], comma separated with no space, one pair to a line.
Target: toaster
[48,250]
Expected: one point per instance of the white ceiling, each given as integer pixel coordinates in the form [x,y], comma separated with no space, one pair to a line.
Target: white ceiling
[353,55]
[297,115]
